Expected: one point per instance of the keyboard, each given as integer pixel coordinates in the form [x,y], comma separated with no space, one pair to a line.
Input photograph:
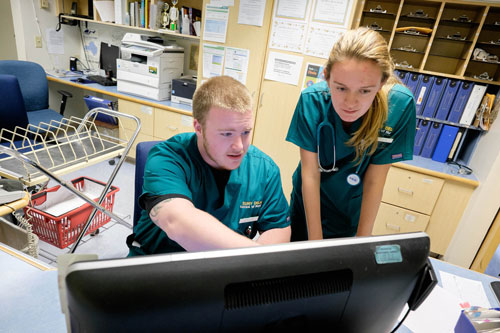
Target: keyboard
[103,81]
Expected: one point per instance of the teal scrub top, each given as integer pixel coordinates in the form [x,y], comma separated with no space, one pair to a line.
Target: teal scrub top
[341,202]
[253,194]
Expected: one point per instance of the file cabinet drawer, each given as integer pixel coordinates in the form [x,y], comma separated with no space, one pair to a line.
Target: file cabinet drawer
[127,134]
[412,190]
[392,220]
[168,123]
[143,112]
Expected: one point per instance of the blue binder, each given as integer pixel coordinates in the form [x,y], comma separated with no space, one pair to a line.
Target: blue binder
[96,102]
[445,143]
[460,101]
[447,99]
[431,140]
[403,76]
[423,90]
[413,82]
[434,97]
[420,134]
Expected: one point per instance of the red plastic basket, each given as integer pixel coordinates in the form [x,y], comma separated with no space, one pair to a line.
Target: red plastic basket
[63,230]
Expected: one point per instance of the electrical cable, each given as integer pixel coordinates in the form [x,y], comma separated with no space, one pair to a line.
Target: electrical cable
[84,49]
[401,321]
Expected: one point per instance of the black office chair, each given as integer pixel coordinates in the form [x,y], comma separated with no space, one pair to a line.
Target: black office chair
[141,155]
[35,90]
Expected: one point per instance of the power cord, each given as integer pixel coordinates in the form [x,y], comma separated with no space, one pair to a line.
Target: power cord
[401,321]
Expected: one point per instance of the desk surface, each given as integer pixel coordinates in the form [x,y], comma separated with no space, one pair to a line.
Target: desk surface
[30,289]
[112,91]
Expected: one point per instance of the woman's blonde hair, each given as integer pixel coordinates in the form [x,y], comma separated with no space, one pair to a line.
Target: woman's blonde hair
[220,91]
[365,44]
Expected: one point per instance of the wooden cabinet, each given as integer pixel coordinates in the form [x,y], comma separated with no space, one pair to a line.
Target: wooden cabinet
[422,200]
[489,246]
[438,37]
[156,123]
[168,124]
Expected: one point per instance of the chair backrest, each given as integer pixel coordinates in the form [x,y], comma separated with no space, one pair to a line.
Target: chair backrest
[12,110]
[141,155]
[493,267]
[32,81]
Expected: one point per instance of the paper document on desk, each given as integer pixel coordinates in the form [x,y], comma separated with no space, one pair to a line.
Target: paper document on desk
[469,291]
[437,314]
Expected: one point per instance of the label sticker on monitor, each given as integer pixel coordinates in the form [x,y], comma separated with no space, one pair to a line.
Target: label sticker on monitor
[388,254]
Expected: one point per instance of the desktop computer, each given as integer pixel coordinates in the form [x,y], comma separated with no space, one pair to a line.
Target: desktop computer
[107,62]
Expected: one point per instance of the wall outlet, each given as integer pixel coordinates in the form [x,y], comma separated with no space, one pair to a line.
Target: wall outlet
[44,3]
[38,41]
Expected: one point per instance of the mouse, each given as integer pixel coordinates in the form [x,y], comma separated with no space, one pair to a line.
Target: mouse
[80,80]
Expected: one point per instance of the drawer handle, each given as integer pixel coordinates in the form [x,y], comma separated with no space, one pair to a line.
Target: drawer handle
[405,191]
[173,128]
[393,227]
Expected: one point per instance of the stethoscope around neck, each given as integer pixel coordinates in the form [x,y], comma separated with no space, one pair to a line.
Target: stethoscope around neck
[326,130]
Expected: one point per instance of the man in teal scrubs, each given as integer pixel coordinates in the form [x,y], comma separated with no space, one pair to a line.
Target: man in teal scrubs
[340,196]
[211,189]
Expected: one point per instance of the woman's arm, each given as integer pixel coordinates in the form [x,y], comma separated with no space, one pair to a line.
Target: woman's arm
[311,178]
[373,187]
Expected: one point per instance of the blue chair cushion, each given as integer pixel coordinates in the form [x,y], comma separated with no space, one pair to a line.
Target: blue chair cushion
[141,155]
[46,115]
[12,110]
[32,80]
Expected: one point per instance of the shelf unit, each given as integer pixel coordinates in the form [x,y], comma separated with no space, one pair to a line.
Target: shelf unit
[458,28]
[163,32]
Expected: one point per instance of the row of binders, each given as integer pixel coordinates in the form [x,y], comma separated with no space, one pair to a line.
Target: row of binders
[442,99]
[437,140]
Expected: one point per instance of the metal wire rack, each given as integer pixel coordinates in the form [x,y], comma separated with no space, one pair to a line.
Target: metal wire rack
[36,153]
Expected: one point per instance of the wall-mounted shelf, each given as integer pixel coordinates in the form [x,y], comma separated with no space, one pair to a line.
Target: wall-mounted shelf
[160,31]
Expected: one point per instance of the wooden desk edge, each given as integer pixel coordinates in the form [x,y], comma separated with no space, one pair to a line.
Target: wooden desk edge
[27,259]
[119,95]
[470,182]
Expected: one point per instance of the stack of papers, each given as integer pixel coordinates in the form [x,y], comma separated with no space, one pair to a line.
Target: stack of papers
[63,73]
[9,196]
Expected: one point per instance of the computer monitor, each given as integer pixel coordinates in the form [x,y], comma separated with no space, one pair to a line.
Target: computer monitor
[340,285]
[107,59]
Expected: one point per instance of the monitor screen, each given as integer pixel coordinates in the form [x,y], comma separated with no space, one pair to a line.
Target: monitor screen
[107,59]
[344,285]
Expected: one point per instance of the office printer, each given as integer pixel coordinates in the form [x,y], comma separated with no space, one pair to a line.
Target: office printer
[146,67]
[183,90]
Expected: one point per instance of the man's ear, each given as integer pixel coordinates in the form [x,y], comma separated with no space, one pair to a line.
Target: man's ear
[197,127]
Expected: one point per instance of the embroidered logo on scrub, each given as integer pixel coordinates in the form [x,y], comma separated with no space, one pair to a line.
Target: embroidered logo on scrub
[386,131]
[251,204]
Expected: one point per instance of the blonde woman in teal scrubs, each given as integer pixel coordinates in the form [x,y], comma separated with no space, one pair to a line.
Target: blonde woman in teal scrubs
[350,128]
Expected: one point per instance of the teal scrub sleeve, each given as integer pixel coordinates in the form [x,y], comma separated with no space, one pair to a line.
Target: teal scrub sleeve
[165,173]
[402,121]
[274,212]
[304,125]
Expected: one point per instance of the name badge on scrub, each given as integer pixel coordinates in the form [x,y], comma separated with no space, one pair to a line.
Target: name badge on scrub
[249,219]
[385,140]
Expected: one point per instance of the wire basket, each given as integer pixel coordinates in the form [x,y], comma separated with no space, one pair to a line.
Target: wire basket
[58,217]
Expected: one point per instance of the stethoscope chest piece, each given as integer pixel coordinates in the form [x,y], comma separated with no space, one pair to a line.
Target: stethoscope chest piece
[353,179]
